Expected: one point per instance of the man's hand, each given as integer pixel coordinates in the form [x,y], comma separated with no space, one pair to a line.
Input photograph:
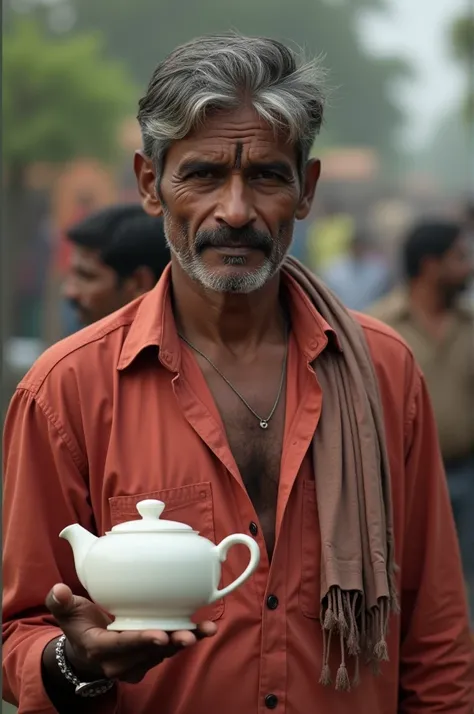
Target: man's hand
[94,652]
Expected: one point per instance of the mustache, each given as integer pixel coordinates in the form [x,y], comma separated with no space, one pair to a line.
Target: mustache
[228,237]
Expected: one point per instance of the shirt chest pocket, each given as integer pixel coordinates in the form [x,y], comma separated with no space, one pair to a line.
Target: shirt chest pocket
[310,587]
[192,505]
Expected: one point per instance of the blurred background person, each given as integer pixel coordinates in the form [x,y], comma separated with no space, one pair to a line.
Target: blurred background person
[431,315]
[360,276]
[85,206]
[116,255]
[329,236]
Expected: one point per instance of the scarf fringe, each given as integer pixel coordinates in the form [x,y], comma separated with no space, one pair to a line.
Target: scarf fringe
[361,632]
[350,445]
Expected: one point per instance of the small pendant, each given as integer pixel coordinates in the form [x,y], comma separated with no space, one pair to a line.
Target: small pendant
[264,424]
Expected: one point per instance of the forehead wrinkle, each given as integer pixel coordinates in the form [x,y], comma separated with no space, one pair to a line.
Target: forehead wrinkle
[229,131]
[234,149]
[258,152]
[238,155]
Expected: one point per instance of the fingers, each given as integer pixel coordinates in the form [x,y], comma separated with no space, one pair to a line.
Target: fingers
[123,655]
[101,643]
[104,642]
[206,629]
[62,593]
[60,600]
[182,638]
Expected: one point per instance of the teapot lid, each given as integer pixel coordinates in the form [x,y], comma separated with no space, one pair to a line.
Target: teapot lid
[150,511]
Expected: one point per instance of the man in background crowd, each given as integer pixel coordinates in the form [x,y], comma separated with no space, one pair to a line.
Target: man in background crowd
[360,276]
[85,206]
[439,327]
[117,255]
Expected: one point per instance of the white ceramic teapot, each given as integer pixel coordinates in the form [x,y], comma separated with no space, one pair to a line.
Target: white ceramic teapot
[152,574]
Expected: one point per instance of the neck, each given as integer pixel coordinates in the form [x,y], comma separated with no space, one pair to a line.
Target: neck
[226,319]
[427,300]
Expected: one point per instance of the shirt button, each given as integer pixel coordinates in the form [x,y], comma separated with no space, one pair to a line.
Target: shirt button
[272,602]
[253,528]
[271,701]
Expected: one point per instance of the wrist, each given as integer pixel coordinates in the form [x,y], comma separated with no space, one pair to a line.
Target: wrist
[82,681]
[84,671]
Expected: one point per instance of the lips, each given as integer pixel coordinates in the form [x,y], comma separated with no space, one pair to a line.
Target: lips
[231,249]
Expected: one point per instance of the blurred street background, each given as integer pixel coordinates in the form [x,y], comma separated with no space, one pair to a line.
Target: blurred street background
[397,146]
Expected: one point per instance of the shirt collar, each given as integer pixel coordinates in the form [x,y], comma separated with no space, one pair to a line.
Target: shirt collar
[312,332]
[154,325]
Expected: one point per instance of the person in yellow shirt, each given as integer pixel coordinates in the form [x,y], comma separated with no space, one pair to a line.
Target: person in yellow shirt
[329,237]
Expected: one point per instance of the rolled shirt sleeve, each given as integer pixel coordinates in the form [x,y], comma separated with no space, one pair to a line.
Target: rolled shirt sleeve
[436,666]
[45,489]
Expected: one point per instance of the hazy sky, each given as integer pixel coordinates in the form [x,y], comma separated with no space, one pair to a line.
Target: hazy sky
[418,30]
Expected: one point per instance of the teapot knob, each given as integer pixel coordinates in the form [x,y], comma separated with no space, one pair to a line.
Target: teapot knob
[150,508]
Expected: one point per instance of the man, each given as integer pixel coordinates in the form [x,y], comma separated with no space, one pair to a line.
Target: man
[118,254]
[85,205]
[431,316]
[208,394]
[359,277]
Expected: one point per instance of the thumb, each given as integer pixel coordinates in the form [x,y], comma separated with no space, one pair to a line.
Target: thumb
[60,600]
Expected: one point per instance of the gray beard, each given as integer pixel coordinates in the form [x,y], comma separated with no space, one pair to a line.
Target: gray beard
[240,282]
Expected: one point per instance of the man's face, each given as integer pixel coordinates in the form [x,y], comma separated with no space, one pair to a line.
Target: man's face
[455,270]
[229,193]
[92,287]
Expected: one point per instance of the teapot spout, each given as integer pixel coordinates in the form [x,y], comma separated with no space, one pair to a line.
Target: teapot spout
[80,541]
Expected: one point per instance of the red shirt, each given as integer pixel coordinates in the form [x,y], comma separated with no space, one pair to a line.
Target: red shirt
[103,420]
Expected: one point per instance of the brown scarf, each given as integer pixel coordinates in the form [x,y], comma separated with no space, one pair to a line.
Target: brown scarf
[353,492]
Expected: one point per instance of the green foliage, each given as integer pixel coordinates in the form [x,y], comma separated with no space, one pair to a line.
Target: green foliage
[462,38]
[61,97]
[462,41]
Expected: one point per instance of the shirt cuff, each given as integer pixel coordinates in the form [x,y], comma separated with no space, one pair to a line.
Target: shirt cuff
[33,696]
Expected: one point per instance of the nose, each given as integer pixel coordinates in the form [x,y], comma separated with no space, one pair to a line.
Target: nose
[235,207]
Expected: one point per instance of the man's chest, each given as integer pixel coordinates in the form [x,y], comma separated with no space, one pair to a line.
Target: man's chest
[167,432]
[173,445]
[256,449]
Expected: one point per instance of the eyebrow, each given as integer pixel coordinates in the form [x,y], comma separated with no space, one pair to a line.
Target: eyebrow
[279,167]
[190,167]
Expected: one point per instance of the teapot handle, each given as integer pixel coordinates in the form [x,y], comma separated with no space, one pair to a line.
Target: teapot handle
[222,550]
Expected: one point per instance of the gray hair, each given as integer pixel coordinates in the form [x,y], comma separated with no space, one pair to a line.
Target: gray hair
[215,73]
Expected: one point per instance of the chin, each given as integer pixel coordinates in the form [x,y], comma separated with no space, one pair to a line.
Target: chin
[230,280]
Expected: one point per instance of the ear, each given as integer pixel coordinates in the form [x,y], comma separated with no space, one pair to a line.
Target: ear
[310,181]
[142,280]
[147,184]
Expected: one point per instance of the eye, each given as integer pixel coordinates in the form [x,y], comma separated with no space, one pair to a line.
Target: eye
[84,275]
[269,175]
[203,174]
